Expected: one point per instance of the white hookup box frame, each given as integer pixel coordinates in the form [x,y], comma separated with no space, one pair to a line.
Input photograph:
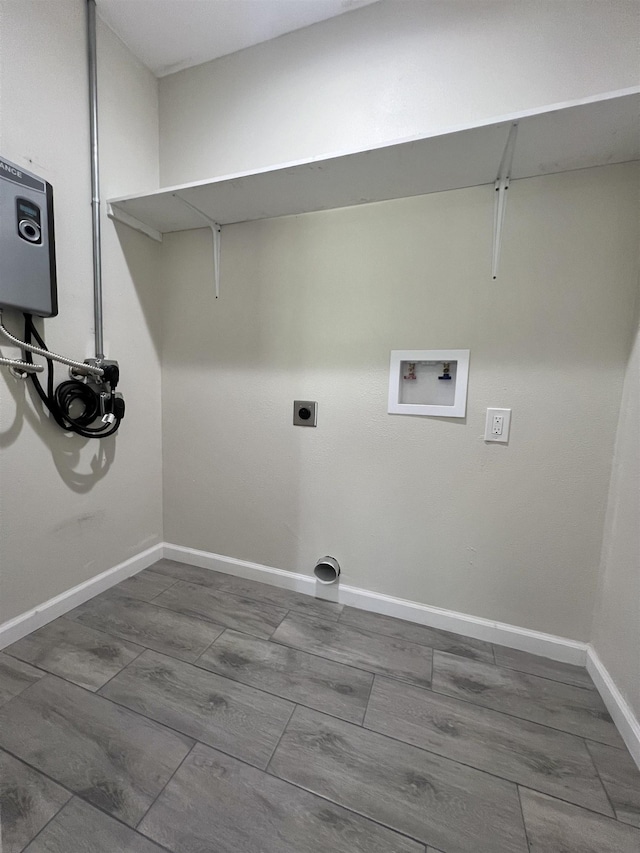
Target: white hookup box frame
[432,396]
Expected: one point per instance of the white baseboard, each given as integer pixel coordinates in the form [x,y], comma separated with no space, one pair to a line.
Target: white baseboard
[524,639]
[626,721]
[15,629]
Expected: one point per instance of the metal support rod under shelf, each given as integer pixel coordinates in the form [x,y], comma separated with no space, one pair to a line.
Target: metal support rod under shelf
[215,232]
[501,186]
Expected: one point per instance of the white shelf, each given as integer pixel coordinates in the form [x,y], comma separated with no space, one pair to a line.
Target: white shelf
[601,130]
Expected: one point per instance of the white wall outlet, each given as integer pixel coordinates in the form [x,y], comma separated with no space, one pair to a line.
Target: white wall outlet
[497,425]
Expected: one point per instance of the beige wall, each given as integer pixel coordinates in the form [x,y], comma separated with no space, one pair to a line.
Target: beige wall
[415,507]
[71,508]
[616,627]
[394,69]
[312,305]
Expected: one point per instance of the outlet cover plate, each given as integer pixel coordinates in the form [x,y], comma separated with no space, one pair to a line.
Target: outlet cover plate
[305,413]
[489,434]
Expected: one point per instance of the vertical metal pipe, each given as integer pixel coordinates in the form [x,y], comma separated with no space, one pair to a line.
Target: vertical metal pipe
[95,178]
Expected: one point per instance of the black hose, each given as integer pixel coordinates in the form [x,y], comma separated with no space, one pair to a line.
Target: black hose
[68,394]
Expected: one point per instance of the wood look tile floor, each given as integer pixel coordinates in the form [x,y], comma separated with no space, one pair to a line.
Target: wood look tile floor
[194,712]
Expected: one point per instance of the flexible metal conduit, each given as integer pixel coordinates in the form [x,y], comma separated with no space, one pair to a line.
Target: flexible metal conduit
[23,366]
[78,366]
[95,179]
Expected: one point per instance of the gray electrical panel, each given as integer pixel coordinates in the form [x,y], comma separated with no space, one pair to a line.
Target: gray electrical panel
[27,246]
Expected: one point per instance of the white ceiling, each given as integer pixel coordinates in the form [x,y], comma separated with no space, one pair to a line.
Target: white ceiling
[169,35]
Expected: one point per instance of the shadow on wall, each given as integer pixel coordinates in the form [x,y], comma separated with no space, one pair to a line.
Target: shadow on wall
[66,449]
[140,256]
